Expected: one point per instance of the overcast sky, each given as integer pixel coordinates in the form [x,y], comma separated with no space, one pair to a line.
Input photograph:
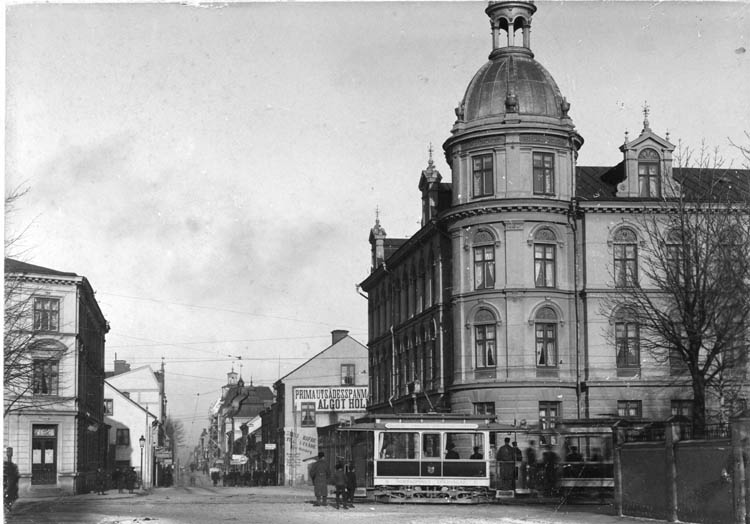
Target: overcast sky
[214,171]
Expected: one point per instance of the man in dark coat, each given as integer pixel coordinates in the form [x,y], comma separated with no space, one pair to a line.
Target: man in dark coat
[506,458]
[351,484]
[319,473]
[101,481]
[10,483]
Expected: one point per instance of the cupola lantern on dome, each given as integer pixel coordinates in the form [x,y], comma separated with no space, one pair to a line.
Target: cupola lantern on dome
[508,18]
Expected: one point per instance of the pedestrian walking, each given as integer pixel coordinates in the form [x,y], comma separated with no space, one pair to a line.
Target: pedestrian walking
[339,483]
[351,484]
[101,481]
[550,460]
[130,478]
[319,473]
[121,480]
[531,468]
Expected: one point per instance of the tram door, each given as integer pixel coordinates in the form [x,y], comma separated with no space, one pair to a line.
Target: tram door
[44,455]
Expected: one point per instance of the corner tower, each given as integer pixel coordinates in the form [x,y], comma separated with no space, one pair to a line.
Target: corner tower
[512,153]
[511,107]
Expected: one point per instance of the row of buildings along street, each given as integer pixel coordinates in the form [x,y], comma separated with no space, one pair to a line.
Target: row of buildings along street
[64,416]
[583,309]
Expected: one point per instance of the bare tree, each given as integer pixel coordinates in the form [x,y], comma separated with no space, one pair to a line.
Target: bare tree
[175,431]
[26,369]
[692,302]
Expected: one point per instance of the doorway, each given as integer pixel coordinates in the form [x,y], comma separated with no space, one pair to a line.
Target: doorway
[44,455]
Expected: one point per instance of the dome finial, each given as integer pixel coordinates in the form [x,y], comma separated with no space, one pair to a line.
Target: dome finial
[430,162]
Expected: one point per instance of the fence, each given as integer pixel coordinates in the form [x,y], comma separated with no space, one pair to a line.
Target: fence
[661,471]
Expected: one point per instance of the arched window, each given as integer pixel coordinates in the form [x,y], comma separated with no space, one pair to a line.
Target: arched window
[649,185]
[627,340]
[484,261]
[545,327]
[625,257]
[545,274]
[484,339]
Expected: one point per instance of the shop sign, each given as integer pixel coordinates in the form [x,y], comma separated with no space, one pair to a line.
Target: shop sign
[332,398]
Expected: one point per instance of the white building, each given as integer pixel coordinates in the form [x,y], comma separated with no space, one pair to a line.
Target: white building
[329,388]
[133,434]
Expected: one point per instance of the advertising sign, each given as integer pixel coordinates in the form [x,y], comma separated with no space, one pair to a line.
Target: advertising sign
[331,398]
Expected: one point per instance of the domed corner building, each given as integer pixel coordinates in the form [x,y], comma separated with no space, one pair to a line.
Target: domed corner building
[505,301]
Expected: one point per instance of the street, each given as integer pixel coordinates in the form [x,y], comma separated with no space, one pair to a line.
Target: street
[204,503]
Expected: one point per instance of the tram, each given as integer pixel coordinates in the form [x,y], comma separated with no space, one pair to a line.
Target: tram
[430,458]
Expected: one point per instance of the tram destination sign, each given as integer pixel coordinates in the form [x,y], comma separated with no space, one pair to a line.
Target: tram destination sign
[331,398]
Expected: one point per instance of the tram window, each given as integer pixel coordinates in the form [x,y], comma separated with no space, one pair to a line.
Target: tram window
[399,445]
[431,445]
[463,444]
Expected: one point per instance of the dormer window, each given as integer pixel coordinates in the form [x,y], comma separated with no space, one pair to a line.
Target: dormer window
[481,170]
[649,174]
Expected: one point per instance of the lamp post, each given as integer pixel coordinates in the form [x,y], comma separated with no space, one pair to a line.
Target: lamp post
[142,442]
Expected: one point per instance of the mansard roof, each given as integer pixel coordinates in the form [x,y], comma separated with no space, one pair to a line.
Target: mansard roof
[600,182]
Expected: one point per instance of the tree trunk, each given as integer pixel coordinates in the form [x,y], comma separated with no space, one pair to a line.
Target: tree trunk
[699,406]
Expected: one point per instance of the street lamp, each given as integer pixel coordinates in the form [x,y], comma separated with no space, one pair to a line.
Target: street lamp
[142,442]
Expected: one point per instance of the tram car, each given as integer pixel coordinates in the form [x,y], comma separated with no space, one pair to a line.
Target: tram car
[573,459]
[430,458]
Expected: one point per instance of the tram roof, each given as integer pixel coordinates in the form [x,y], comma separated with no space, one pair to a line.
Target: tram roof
[427,420]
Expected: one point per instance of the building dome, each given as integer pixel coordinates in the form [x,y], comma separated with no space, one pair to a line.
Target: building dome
[512,81]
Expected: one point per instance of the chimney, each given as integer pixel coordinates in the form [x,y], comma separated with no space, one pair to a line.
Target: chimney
[338,334]
[121,366]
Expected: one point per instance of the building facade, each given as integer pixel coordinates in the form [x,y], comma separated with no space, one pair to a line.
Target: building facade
[330,388]
[504,301]
[54,418]
[133,435]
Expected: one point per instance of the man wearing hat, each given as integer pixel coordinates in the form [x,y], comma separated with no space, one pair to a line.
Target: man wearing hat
[319,473]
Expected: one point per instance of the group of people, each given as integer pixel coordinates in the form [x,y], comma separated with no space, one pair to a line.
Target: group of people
[536,475]
[123,478]
[246,478]
[345,482]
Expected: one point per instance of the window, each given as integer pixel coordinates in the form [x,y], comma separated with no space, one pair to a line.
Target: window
[682,407]
[544,173]
[46,314]
[629,408]
[481,168]
[484,339]
[308,414]
[108,406]
[347,374]
[625,258]
[46,375]
[627,341]
[549,414]
[484,408]
[122,437]
[546,338]
[484,261]
[544,258]
[648,174]
[399,445]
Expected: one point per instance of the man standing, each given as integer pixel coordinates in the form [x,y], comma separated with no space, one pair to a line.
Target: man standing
[506,457]
[101,481]
[319,473]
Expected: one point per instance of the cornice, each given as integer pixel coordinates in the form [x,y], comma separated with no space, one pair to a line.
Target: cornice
[557,207]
